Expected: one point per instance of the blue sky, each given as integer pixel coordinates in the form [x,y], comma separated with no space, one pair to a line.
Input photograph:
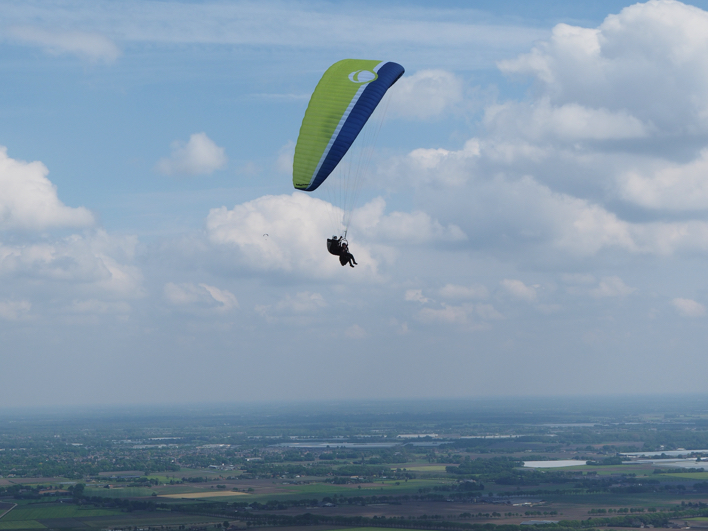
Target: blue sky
[534,221]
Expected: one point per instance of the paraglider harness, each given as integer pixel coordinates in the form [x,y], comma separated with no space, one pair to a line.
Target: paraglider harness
[340,247]
[336,245]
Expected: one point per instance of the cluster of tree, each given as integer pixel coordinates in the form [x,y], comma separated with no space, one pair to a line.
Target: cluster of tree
[366,471]
[204,460]
[538,477]
[461,486]
[143,481]
[623,510]
[422,522]
[20,492]
[389,456]
[646,437]
[469,485]
[342,453]
[74,466]
[287,455]
[194,479]
[677,470]
[597,484]
[480,444]
[343,480]
[486,515]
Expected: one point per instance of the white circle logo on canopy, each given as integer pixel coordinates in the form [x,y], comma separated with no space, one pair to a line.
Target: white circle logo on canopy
[362,76]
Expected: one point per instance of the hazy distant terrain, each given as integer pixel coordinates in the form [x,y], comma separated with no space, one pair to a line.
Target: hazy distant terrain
[419,465]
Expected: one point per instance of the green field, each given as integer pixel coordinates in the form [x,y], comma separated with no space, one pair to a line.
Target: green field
[150,519]
[180,489]
[318,490]
[612,499]
[132,519]
[27,524]
[42,511]
[312,490]
[603,470]
[124,492]
[28,516]
[373,529]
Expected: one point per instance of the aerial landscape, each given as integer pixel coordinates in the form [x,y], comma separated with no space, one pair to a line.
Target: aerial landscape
[319,265]
[476,464]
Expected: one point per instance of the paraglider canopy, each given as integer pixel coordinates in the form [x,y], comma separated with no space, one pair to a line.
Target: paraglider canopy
[340,106]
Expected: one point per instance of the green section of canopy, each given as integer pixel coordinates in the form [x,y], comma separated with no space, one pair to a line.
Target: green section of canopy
[328,103]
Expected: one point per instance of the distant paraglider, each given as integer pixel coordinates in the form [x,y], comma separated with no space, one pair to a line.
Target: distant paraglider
[341,105]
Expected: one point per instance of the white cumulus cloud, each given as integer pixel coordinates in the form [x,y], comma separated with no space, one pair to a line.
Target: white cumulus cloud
[403,227]
[564,123]
[469,316]
[438,166]
[12,310]
[302,302]
[199,156]
[669,185]
[425,94]
[297,227]
[519,208]
[446,314]
[648,61]
[415,295]
[28,200]
[612,287]
[289,233]
[689,307]
[518,289]
[487,311]
[200,295]
[92,263]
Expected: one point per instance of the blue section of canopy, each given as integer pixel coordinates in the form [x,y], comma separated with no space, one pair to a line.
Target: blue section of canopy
[388,74]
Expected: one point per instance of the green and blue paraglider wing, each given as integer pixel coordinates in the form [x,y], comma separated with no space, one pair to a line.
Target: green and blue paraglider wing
[343,101]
